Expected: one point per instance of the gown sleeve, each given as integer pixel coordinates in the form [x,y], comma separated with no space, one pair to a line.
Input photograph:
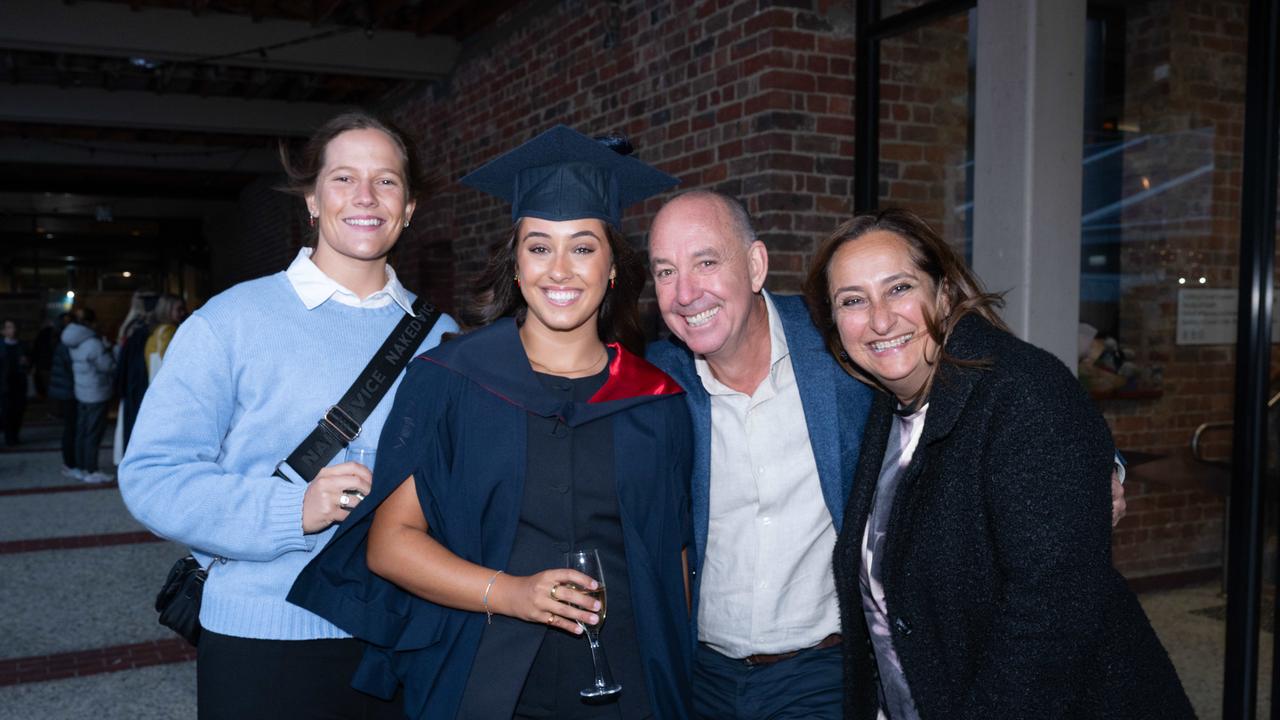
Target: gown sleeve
[338,584]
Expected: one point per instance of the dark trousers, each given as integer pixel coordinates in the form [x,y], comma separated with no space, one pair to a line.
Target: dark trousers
[246,679]
[67,409]
[15,406]
[91,423]
[806,686]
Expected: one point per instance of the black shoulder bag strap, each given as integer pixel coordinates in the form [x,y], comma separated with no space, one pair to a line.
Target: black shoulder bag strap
[342,422]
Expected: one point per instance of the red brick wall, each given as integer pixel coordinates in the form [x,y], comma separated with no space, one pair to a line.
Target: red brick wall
[924,124]
[264,240]
[752,98]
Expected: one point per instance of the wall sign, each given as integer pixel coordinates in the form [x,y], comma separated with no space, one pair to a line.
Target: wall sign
[1207,316]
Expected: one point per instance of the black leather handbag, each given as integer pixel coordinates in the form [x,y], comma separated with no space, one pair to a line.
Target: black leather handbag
[178,601]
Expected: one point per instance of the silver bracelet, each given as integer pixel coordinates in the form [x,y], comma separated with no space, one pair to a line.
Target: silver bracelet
[485,602]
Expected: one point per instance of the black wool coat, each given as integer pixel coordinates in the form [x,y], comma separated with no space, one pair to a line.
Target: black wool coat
[997,573]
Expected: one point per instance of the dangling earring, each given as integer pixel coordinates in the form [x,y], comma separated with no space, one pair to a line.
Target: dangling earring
[612,275]
[311,220]
[517,277]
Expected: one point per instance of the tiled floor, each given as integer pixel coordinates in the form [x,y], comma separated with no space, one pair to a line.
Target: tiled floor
[78,635]
[80,638]
[1196,643]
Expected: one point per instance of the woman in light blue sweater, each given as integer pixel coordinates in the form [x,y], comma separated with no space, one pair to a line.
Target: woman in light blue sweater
[244,381]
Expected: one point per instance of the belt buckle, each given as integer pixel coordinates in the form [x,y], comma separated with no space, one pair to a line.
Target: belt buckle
[337,421]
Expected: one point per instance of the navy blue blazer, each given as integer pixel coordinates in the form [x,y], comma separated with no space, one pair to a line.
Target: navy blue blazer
[458,426]
[835,411]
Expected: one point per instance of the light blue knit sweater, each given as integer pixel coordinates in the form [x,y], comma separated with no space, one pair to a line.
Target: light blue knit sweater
[243,382]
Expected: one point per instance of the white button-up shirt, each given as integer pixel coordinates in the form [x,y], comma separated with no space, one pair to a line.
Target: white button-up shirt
[766,583]
[314,287]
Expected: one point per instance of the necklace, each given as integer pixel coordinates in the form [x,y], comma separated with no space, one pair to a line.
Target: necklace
[604,354]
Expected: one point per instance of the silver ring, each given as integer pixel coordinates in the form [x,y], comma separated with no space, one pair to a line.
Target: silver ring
[345,500]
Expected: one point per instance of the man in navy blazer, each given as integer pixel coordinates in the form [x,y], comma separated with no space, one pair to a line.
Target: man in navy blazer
[777,425]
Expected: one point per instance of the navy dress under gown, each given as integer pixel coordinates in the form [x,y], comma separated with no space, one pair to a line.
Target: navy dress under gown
[570,502]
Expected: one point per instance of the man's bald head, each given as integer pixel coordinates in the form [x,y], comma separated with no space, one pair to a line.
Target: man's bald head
[734,216]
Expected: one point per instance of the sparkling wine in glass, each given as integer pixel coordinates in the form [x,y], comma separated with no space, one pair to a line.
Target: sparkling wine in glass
[587,562]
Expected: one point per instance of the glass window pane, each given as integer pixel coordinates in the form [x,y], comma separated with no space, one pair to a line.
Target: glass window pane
[1164,117]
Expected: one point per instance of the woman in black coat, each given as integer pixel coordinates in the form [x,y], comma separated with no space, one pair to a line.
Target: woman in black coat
[974,567]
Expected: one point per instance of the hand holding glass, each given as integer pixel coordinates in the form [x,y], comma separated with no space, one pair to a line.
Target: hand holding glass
[365,456]
[587,562]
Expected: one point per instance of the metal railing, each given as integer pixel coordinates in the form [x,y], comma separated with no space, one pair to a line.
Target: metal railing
[1196,450]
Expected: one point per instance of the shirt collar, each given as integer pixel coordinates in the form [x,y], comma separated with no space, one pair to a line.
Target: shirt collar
[314,287]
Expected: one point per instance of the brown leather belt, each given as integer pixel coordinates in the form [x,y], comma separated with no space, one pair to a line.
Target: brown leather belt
[829,641]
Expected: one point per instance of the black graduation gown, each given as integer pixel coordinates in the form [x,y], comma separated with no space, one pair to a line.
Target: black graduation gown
[459,426]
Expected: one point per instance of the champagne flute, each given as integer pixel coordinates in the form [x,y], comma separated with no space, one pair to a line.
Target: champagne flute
[587,562]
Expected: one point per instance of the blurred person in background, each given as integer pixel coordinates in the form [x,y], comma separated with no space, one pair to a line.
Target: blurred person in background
[62,390]
[42,357]
[15,365]
[93,366]
[170,312]
[131,367]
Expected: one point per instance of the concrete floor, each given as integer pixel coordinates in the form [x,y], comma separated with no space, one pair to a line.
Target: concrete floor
[55,601]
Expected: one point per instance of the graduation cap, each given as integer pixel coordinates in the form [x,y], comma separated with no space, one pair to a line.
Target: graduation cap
[565,175]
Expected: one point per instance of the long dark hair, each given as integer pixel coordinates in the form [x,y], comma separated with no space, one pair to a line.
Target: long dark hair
[498,296]
[956,288]
[304,167]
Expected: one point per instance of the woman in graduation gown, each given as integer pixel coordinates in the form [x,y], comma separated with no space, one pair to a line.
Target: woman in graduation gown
[540,433]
